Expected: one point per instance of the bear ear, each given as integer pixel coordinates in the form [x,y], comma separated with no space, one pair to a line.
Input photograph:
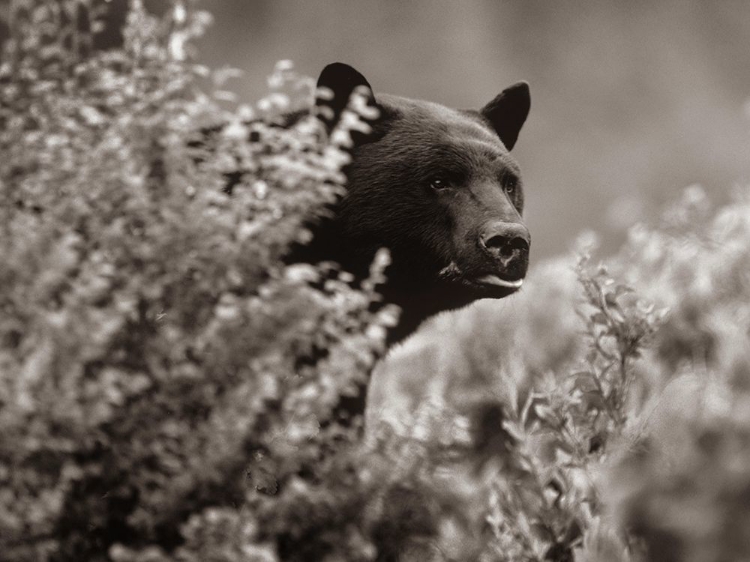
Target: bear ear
[508,111]
[341,80]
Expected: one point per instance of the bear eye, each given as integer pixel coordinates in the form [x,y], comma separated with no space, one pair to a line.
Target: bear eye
[509,184]
[439,183]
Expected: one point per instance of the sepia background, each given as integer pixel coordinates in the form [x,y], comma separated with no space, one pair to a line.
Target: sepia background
[631,102]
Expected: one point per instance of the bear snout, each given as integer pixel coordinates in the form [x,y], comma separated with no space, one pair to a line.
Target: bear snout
[507,244]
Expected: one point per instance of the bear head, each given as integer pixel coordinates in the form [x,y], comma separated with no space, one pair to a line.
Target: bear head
[439,188]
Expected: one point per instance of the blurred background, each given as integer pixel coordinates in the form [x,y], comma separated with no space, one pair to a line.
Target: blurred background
[631,101]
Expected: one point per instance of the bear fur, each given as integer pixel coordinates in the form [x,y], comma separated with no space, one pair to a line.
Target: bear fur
[436,186]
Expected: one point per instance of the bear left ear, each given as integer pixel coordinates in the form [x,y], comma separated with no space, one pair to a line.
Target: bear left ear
[341,80]
[508,111]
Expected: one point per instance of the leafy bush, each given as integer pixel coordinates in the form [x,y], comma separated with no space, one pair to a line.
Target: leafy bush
[153,345]
[623,391]
[167,382]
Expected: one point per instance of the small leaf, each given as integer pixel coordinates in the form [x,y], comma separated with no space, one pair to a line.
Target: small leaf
[621,289]
[593,399]
[599,318]
[584,381]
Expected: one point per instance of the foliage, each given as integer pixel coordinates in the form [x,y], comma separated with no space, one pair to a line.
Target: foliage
[153,345]
[620,399]
[167,382]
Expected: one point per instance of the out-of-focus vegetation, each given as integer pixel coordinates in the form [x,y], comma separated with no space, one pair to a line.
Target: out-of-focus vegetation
[631,101]
[162,375]
[166,384]
[625,393]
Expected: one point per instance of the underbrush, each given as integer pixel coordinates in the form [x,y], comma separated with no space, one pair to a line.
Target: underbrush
[167,383]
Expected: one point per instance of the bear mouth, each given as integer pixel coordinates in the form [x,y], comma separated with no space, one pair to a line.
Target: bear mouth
[486,284]
[497,281]
[492,286]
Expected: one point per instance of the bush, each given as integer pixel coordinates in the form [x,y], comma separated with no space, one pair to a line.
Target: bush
[620,396]
[158,361]
[167,383]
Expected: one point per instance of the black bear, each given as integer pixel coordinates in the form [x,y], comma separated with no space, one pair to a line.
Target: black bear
[438,188]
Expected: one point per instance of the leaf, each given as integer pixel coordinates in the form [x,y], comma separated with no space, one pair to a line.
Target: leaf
[599,318]
[621,289]
[593,399]
[544,412]
[584,381]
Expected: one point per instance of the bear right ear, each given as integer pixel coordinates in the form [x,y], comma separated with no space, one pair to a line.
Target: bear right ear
[508,111]
[341,80]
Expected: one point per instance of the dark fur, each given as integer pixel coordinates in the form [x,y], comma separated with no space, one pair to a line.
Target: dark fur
[441,240]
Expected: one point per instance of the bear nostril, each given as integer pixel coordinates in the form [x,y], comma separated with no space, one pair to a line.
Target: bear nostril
[512,247]
[505,245]
[506,242]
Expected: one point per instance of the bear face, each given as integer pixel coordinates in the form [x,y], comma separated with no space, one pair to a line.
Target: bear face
[438,188]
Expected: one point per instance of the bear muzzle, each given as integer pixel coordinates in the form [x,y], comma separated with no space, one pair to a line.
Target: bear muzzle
[506,244]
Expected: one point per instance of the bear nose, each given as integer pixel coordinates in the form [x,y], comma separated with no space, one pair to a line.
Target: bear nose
[507,242]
